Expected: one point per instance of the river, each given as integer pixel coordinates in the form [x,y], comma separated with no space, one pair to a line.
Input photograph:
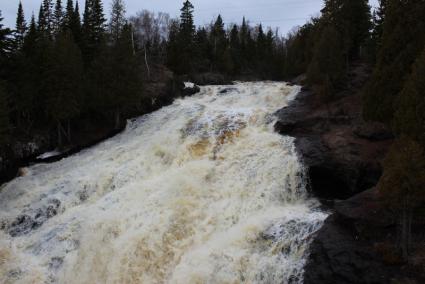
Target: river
[202,191]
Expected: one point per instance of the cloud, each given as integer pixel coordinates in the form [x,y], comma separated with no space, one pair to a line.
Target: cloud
[283,14]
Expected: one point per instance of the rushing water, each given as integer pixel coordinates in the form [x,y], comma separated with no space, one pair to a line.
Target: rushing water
[202,191]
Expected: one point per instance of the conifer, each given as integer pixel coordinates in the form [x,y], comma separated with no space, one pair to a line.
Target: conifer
[21,27]
[58,17]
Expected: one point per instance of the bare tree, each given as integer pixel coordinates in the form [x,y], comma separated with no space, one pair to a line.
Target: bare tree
[151,33]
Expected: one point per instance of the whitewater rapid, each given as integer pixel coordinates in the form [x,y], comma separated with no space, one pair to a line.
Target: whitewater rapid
[202,191]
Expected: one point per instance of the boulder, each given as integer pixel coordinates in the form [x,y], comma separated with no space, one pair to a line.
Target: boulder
[189,89]
[345,248]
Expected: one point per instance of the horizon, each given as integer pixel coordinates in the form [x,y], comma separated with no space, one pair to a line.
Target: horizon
[284,14]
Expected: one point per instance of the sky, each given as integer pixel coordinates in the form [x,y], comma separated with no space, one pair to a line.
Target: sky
[282,14]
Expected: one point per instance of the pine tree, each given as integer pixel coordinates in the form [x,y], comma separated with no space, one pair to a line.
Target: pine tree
[58,18]
[235,49]
[202,49]
[352,19]
[42,23]
[72,21]
[181,43]
[115,76]
[75,25]
[402,186]
[173,46]
[126,84]
[244,43]
[64,84]
[219,44]
[4,107]
[260,43]
[299,48]
[243,33]
[5,45]
[21,27]
[47,11]
[117,19]
[326,70]
[30,38]
[401,45]
[187,27]
[186,38]
[93,29]
[270,56]
[27,82]
[69,14]
[251,50]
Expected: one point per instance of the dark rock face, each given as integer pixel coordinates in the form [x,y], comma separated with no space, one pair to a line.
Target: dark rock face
[336,256]
[343,155]
[341,151]
[344,249]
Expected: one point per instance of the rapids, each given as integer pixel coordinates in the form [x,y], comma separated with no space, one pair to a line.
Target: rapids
[202,191]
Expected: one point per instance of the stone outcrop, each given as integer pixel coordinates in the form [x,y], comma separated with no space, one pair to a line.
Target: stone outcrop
[346,249]
[343,156]
[341,151]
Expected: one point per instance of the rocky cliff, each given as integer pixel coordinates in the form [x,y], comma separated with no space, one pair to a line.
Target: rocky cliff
[343,155]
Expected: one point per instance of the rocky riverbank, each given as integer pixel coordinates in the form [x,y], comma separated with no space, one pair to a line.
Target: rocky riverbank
[343,154]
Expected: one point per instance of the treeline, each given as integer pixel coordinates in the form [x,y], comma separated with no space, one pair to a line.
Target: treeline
[62,70]
[392,41]
[326,46]
[395,95]
[233,51]
[59,69]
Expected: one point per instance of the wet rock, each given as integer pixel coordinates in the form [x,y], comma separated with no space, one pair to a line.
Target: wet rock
[189,90]
[228,90]
[337,256]
[22,225]
[28,222]
[55,263]
[340,162]
[343,250]
[300,80]
[343,155]
[14,274]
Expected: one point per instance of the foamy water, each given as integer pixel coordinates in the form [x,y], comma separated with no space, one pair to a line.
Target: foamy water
[202,191]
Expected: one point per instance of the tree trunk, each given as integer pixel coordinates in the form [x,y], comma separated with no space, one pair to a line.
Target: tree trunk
[146,62]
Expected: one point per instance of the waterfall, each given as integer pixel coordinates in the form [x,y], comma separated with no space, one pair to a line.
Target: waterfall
[202,191]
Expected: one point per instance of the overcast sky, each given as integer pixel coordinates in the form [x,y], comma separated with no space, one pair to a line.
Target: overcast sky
[284,14]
